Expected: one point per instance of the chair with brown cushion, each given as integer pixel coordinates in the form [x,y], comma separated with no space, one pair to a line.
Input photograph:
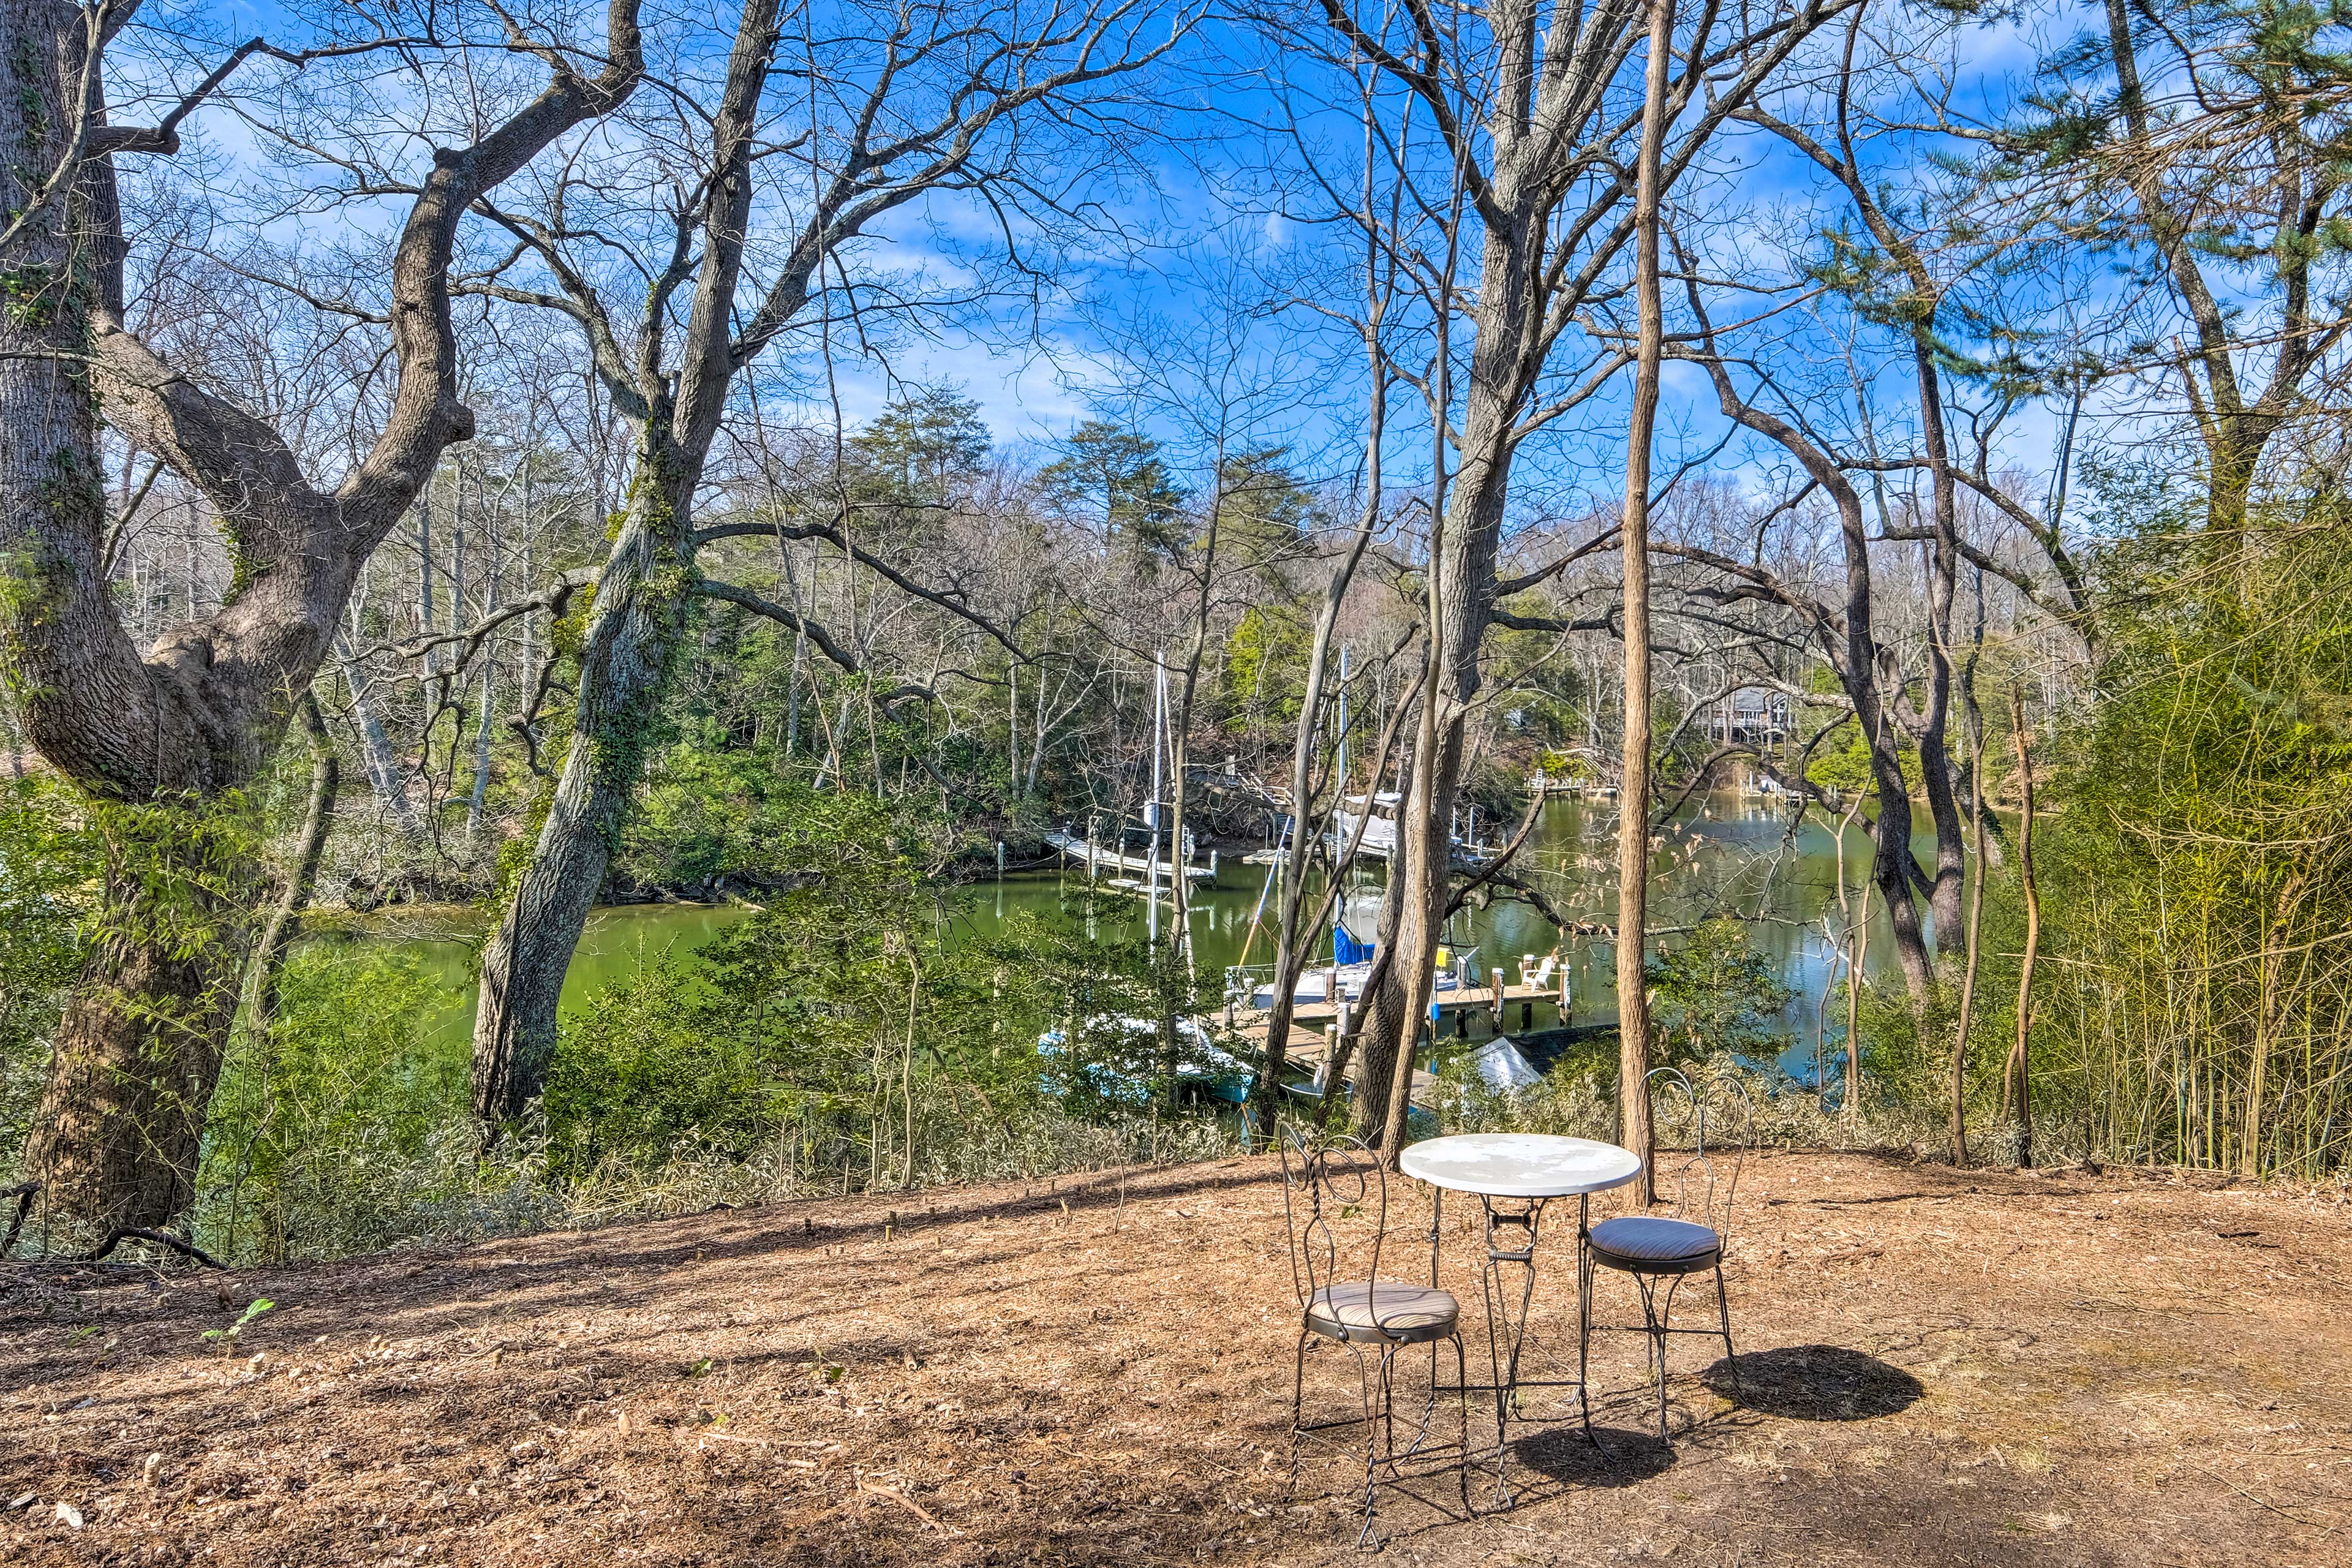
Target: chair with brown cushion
[1335,1198]
[1699,1145]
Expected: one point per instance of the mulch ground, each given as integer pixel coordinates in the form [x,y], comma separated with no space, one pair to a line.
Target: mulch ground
[1935,1367]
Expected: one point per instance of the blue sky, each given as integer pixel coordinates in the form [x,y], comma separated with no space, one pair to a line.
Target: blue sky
[1034,377]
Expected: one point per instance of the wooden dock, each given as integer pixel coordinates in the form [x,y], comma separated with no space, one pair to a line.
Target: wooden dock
[1310,1042]
[1459,1007]
[1096,858]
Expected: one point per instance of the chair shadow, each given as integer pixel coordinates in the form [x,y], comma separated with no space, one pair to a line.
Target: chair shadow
[1814,1383]
[1564,1455]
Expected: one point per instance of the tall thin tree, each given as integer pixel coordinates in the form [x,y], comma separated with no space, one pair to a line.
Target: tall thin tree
[1634,802]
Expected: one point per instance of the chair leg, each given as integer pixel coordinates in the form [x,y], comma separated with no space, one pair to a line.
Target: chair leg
[1587,1273]
[1387,1401]
[1374,1423]
[1428,1410]
[1723,1304]
[1656,1314]
[1643,1289]
[1462,1392]
[1297,1404]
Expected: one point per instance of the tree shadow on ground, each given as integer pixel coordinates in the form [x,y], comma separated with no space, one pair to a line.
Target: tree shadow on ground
[1814,1383]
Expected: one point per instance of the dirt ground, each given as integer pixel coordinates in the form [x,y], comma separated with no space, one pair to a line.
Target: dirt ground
[1935,1367]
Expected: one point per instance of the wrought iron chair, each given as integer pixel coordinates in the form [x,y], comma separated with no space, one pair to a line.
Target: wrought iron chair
[1334,1199]
[1698,1152]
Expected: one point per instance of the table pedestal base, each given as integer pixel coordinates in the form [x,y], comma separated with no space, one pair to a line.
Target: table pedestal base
[1514,1231]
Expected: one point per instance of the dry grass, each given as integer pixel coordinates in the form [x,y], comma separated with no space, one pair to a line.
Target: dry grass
[1938,1368]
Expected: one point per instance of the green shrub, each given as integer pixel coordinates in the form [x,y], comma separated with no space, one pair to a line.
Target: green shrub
[49,863]
[1713,993]
[335,1130]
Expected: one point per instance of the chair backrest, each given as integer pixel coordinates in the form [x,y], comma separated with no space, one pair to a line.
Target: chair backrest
[1335,1196]
[1701,1130]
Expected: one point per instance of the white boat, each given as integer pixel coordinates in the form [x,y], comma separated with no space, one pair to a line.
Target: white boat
[1499,1064]
[1379,814]
[1119,857]
[1379,841]
[1114,1059]
[1253,986]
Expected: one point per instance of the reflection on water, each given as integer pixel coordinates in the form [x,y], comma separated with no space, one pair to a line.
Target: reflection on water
[1724,853]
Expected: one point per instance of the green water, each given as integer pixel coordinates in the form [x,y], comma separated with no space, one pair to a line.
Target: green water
[1724,853]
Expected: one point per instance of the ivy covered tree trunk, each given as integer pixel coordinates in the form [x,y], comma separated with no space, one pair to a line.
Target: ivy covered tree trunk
[139,1046]
[634,628]
[640,607]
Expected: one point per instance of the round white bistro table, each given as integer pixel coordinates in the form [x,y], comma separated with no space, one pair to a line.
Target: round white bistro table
[1513,1175]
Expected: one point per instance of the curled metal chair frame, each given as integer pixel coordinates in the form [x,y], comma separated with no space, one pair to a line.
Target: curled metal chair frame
[1328,1182]
[1702,1194]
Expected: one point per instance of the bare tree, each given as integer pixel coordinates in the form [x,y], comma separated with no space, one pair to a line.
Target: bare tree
[1843,623]
[904,102]
[1531,172]
[164,736]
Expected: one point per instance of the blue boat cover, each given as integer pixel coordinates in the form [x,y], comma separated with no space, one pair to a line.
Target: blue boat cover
[1346,949]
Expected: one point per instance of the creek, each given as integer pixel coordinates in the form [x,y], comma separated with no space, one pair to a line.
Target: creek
[1725,852]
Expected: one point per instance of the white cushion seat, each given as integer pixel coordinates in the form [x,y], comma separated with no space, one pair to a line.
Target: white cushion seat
[1642,1245]
[1382,1309]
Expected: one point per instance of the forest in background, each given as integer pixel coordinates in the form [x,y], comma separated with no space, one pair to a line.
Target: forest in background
[2001,441]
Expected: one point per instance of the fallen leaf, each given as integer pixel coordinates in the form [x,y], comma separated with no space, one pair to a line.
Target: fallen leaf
[68,1516]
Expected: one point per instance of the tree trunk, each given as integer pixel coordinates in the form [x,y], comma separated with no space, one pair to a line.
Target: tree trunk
[53,511]
[1383,1032]
[1957,1124]
[1425,836]
[477,799]
[1850,1101]
[640,613]
[1465,535]
[426,616]
[376,754]
[1891,867]
[1040,727]
[1942,572]
[268,960]
[2017,1093]
[1290,945]
[1634,802]
[138,1048]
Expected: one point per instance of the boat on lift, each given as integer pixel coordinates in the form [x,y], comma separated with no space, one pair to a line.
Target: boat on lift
[1348,969]
[1379,813]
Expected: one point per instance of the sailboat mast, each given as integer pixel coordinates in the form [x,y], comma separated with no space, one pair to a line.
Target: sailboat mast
[1151,807]
[1338,812]
[1343,723]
